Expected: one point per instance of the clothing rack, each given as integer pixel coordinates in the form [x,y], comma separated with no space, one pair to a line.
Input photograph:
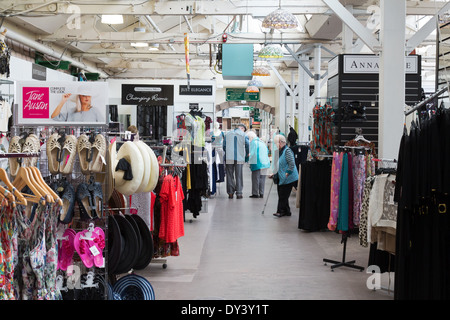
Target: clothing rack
[20,155]
[343,263]
[424,102]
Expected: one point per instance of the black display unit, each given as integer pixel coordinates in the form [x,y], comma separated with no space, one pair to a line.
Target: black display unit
[355,77]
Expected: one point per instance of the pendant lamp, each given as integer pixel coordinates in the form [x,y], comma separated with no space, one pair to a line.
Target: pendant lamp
[280,19]
[255,83]
[271,51]
[252,89]
[261,71]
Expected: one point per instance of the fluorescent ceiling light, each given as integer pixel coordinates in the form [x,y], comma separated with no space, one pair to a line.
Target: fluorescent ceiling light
[139,29]
[139,44]
[154,47]
[112,18]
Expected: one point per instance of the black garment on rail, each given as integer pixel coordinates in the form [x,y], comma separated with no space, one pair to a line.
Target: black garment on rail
[423,223]
[315,184]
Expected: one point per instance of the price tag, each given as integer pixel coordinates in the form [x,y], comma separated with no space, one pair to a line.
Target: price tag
[94,251]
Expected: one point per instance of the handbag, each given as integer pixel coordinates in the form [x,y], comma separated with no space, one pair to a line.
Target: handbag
[354,111]
[275,178]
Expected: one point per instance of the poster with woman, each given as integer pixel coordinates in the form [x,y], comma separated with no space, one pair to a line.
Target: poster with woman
[62,103]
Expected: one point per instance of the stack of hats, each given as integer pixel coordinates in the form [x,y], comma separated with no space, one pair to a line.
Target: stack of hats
[133,287]
[130,243]
[134,167]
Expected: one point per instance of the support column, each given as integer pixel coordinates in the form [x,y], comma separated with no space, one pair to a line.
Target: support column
[303,103]
[347,34]
[317,62]
[293,100]
[392,77]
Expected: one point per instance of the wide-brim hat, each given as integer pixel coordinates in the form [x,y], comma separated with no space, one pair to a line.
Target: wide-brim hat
[84,90]
[114,244]
[146,254]
[117,200]
[146,164]
[133,287]
[131,153]
[138,236]
[130,248]
[154,170]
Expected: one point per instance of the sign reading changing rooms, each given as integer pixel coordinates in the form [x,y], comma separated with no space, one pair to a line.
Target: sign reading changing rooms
[145,94]
[196,90]
[239,94]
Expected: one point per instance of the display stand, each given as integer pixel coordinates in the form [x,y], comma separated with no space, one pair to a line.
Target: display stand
[343,263]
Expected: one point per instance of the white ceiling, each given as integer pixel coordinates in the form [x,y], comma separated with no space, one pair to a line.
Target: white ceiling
[73,30]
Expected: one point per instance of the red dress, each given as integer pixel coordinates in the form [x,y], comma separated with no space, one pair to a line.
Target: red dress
[172,220]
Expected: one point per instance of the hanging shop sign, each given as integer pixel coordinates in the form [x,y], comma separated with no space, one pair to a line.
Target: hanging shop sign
[195,90]
[61,103]
[146,94]
[371,64]
[239,94]
[38,72]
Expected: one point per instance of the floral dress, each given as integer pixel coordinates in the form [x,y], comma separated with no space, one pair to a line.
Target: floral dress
[51,259]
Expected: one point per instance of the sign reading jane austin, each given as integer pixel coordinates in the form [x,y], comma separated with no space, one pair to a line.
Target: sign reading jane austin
[145,94]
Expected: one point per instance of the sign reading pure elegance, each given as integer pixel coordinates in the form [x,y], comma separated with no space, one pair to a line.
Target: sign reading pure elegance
[61,103]
[146,94]
[371,64]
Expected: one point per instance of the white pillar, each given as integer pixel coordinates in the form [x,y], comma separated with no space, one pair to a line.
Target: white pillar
[303,103]
[293,99]
[392,77]
[347,34]
[317,62]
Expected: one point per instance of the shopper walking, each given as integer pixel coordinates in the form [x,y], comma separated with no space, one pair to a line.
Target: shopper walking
[259,163]
[236,146]
[287,174]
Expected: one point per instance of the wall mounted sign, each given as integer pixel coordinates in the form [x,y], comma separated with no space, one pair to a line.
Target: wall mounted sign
[196,90]
[239,94]
[370,64]
[38,72]
[61,103]
[149,95]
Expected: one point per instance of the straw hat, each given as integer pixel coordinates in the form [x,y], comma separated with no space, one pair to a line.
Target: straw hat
[131,153]
[146,163]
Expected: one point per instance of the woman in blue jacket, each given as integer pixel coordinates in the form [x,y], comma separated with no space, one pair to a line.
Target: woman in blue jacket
[287,175]
[259,162]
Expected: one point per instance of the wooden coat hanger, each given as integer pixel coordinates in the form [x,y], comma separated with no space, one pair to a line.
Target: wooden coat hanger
[5,193]
[23,179]
[40,179]
[42,187]
[20,199]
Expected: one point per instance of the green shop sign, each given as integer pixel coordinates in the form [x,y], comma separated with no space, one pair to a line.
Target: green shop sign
[239,94]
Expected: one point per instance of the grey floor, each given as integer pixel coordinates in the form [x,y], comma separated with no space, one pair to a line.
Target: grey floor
[236,252]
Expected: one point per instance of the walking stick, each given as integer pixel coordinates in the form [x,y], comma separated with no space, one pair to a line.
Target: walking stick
[267,197]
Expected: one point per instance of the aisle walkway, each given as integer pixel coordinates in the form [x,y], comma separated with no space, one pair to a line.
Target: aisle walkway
[235,252]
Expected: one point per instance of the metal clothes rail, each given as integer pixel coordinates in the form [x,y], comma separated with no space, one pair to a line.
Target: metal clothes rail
[423,102]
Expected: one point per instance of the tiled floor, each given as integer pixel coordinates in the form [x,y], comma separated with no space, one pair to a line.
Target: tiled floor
[237,252]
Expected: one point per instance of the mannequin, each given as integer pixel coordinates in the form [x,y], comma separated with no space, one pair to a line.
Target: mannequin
[5,55]
[217,130]
[218,156]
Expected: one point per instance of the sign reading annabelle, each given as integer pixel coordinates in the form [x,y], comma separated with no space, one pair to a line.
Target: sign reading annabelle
[371,64]
[36,102]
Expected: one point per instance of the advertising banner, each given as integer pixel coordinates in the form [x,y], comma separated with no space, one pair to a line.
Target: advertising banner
[61,103]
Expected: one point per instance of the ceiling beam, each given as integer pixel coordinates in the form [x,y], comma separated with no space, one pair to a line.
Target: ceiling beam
[176,37]
[157,7]
[360,30]
[425,31]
